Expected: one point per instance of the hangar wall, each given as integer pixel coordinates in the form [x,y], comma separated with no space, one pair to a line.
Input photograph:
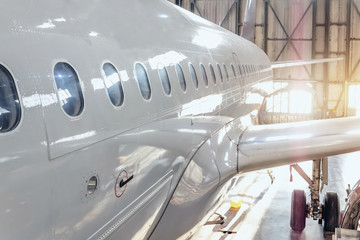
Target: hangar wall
[300,29]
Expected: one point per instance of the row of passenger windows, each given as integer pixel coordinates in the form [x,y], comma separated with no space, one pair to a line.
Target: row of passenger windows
[71,97]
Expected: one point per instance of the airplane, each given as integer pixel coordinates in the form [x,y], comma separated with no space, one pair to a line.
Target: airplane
[131,120]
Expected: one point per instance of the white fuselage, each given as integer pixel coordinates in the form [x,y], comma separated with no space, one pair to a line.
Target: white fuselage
[48,159]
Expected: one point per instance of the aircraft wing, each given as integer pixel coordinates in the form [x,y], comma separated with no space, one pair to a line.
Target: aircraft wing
[282,64]
[264,146]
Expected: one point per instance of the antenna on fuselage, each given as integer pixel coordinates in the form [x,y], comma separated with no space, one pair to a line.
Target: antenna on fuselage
[248,30]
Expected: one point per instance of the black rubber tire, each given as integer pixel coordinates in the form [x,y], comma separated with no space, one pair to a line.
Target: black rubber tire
[298,210]
[331,210]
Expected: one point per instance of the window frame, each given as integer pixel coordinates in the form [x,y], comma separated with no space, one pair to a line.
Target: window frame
[195,74]
[233,69]
[226,72]
[17,92]
[162,66]
[138,84]
[220,72]
[81,84]
[177,75]
[121,83]
[212,73]
[204,75]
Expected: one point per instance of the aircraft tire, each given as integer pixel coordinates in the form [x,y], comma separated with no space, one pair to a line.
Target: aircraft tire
[331,211]
[298,210]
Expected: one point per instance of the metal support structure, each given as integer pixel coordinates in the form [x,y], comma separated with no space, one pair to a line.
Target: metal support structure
[179,2]
[313,46]
[226,18]
[194,6]
[326,55]
[266,27]
[315,205]
[289,37]
[238,17]
[357,11]
[348,35]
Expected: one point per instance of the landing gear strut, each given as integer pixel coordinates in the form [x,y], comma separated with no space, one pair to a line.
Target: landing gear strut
[327,212]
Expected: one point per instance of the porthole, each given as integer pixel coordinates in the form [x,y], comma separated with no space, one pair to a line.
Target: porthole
[143,81]
[181,77]
[68,89]
[247,70]
[212,73]
[243,70]
[240,71]
[220,73]
[164,77]
[10,110]
[206,81]
[233,69]
[113,84]
[193,76]
[226,72]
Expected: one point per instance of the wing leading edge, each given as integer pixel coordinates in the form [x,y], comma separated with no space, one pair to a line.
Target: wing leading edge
[265,146]
[282,64]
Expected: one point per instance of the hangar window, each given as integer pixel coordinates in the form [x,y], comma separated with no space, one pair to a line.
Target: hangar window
[221,76]
[143,81]
[10,110]
[181,77]
[226,72]
[193,76]
[233,69]
[113,84]
[206,81]
[164,76]
[68,89]
[212,73]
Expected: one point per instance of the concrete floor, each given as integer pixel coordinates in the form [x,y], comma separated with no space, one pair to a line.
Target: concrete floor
[265,212]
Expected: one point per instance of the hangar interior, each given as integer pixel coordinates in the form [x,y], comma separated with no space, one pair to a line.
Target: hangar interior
[293,30]
[300,29]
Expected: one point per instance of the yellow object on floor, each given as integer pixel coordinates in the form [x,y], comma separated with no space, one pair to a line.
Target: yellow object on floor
[236,203]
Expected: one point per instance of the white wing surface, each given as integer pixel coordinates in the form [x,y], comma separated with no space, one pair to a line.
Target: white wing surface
[264,146]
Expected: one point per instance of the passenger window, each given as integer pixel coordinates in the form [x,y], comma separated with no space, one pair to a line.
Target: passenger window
[164,79]
[212,73]
[143,81]
[113,84]
[68,88]
[221,76]
[243,70]
[10,110]
[193,76]
[240,71]
[206,81]
[233,69]
[226,72]
[181,77]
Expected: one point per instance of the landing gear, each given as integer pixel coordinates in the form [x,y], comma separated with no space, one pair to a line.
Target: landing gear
[327,212]
[298,210]
[331,209]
